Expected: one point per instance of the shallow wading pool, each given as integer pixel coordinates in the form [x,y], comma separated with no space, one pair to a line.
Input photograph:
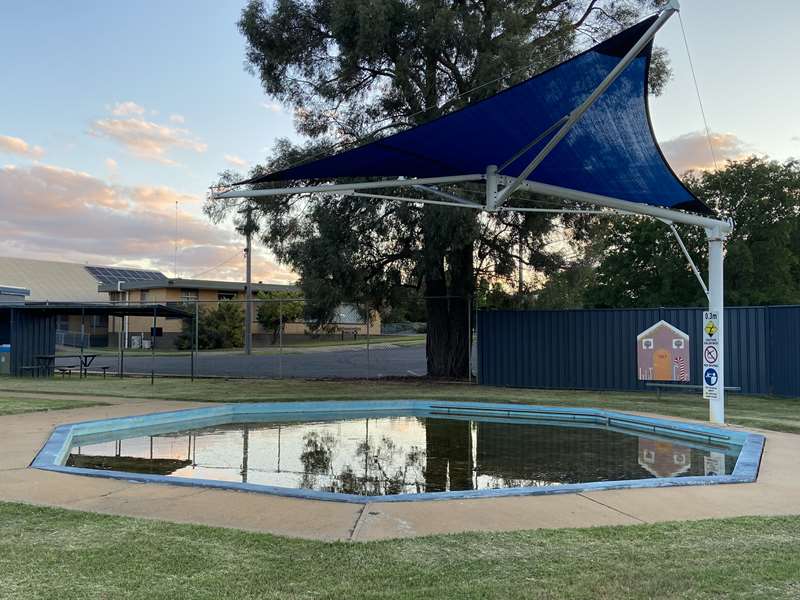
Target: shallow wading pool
[403,450]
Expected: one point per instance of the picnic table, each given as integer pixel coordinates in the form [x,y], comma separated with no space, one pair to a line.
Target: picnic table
[85,360]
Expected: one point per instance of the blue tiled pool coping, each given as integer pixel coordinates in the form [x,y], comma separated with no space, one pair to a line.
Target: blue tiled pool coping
[54,453]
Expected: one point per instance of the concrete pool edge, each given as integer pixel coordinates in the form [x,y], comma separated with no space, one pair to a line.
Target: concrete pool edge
[53,453]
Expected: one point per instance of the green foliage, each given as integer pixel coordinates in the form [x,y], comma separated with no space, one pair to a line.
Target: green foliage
[637,262]
[220,326]
[272,314]
[496,296]
[354,70]
[565,289]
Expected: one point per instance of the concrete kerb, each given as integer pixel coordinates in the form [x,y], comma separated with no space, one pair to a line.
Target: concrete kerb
[55,451]
[776,491]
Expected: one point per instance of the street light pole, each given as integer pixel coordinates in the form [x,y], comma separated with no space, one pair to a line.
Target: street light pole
[248,295]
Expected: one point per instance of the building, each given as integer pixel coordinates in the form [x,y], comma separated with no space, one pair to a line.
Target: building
[13,295]
[209,293]
[60,282]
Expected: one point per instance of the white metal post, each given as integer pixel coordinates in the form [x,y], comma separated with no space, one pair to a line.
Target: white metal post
[716,304]
[248,288]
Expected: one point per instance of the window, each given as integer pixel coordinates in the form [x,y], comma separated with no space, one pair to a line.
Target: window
[188,295]
[145,295]
[226,295]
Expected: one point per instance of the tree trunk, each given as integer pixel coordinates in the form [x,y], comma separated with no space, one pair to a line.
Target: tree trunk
[449,282]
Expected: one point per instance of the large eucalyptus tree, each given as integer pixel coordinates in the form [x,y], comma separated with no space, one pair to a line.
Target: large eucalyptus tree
[353,70]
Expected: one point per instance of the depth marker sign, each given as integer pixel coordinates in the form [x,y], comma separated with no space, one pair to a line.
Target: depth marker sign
[711,357]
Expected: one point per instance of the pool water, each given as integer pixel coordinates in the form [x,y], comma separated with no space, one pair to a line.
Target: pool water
[387,455]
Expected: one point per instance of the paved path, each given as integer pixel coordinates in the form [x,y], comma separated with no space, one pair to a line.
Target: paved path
[777,492]
[344,361]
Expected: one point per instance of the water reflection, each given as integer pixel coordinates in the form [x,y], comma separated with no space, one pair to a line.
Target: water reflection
[393,455]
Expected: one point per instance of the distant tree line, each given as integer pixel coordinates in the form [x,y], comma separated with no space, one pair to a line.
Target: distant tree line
[636,262]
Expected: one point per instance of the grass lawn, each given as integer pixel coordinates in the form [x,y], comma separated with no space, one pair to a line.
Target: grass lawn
[54,553]
[10,405]
[778,414]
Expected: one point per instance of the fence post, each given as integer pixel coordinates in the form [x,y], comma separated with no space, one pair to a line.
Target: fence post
[280,339]
[469,339]
[368,357]
[153,349]
[191,355]
[197,332]
[119,327]
[83,319]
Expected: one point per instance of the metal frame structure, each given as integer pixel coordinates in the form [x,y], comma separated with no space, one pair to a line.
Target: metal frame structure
[499,188]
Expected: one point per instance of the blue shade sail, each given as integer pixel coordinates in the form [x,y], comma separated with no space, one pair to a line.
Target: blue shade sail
[611,150]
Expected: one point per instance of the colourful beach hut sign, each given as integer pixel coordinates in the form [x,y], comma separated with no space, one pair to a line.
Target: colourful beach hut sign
[662,353]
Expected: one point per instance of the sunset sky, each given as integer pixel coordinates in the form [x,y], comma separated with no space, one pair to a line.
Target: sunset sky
[111,111]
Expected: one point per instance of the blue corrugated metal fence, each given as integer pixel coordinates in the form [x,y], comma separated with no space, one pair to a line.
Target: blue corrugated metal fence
[596,349]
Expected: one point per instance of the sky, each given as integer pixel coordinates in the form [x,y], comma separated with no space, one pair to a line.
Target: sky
[110,112]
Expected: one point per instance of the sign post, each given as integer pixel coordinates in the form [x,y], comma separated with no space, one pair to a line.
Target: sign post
[713,390]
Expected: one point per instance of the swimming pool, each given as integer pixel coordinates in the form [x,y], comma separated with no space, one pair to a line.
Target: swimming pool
[403,450]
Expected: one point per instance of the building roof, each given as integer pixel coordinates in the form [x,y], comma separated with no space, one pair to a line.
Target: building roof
[50,280]
[198,284]
[53,281]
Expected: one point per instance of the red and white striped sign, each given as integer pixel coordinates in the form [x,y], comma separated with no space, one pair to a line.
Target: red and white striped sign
[683,373]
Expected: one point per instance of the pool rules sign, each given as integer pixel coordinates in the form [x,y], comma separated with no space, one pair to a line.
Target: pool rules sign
[712,360]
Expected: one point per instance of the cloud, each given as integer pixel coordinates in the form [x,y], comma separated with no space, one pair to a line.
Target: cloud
[272,106]
[690,151]
[235,161]
[177,118]
[111,164]
[124,109]
[15,145]
[53,213]
[146,139]
[796,138]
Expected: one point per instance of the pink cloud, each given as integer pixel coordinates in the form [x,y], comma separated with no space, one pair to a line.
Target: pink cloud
[59,214]
[15,145]
[122,109]
[691,152]
[235,161]
[146,139]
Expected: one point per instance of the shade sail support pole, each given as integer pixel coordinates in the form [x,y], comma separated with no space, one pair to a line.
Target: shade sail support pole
[441,194]
[627,206]
[576,114]
[716,304]
[688,256]
[334,187]
[491,186]
[462,204]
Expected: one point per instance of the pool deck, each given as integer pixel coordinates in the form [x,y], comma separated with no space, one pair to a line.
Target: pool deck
[777,492]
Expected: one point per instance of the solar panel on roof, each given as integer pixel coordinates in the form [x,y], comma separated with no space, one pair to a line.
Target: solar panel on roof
[112,275]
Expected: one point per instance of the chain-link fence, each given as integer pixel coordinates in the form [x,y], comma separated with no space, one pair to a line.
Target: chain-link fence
[279,337]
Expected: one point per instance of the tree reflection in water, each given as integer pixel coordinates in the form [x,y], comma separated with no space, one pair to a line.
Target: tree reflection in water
[381,468]
[317,457]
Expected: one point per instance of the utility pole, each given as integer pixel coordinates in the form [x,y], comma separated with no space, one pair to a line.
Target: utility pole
[248,305]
